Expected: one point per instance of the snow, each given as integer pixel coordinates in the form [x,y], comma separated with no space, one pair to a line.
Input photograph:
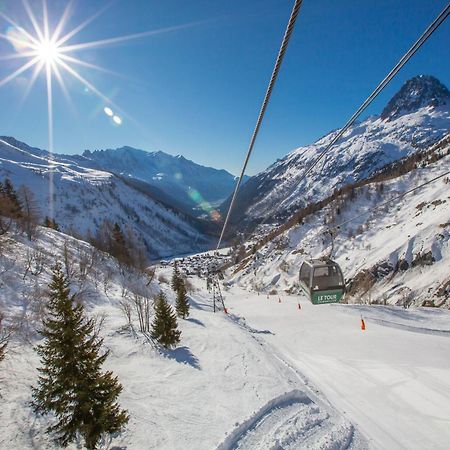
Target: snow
[365,148]
[80,198]
[195,396]
[392,382]
[267,375]
[288,421]
[400,231]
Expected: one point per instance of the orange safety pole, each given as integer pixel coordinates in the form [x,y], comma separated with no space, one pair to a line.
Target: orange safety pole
[363,324]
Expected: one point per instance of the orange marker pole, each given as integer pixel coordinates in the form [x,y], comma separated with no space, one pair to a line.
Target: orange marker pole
[363,324]
[299,306]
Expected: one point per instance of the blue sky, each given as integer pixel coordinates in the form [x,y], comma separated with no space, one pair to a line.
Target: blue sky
[197,91]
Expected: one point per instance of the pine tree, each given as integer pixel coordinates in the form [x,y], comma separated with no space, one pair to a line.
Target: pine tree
[10,192]
[71,384]
[164,326]
[176,277]
[182,305]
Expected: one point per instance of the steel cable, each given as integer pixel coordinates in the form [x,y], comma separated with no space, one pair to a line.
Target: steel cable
[405,58]
[279,60]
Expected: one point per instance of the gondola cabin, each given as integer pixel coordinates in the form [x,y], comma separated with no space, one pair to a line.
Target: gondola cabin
[322,281]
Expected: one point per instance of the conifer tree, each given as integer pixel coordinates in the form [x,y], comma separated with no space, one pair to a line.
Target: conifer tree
[182,305]
[119,246]
[176,277]
[164,327]
[71,384]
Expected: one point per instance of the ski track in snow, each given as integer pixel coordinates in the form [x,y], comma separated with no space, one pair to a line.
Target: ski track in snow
[406,319]
[388,381]
[290,421]
[299,419]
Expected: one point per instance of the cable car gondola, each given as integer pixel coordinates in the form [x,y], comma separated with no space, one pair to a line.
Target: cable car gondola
[322,281]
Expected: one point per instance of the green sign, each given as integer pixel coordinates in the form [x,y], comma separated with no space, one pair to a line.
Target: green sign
[320,297]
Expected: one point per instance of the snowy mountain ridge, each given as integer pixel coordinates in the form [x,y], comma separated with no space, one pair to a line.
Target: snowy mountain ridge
[365,148]
[193,185]
[81,198]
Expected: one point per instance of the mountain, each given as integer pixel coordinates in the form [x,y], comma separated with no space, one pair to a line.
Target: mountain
[418,92]
[187,185]
[397,253]
[80,198]
[417,116]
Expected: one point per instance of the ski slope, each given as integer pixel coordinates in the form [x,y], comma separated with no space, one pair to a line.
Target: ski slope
[221,387]
[391,380]
[266,376]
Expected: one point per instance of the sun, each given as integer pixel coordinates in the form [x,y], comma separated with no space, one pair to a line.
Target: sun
[47,51]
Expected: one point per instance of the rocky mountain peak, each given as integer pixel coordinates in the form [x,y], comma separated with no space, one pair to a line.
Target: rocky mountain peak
[420,91]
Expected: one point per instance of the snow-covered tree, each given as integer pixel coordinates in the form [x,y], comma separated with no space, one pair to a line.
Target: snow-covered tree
[71,385]
[164,326]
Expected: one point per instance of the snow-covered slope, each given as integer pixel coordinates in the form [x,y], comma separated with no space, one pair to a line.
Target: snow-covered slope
[220,381]
[195,186]
[391,379]
[416,117]
[80,198]
[399,254]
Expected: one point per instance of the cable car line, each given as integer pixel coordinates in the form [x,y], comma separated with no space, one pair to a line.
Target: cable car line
[403,60]
[325,293]
[276,69]
[321,280]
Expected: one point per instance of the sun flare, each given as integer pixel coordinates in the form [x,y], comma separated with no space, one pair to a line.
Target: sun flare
[47,51]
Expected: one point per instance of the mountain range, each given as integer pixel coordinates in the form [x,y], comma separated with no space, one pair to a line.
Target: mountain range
[189,186]
[171,202]
[80,198]
[417,116]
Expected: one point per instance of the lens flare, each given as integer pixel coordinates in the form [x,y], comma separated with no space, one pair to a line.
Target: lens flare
[49,51]
[203,204]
